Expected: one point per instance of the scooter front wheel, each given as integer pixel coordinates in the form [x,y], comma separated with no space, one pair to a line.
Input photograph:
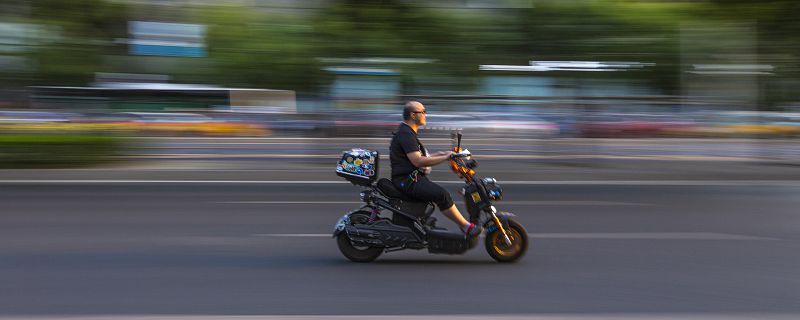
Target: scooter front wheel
[353,252]
[501,251]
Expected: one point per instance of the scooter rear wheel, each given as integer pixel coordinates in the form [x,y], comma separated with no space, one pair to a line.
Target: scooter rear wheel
[353,252]
[499,250]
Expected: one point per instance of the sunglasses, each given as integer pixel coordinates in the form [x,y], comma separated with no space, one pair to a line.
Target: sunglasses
[423,112]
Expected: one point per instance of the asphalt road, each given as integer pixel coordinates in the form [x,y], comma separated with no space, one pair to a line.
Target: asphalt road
[232,248]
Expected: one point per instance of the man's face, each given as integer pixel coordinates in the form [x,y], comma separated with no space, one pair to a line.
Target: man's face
[419,115]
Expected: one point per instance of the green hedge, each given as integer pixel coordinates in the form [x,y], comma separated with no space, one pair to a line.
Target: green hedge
[55,151]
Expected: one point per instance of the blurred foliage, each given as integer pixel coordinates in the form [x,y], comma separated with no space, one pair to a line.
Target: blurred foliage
[84,31]
[591,31]
[258,47]
[57,150]
[252,49]
[352,28]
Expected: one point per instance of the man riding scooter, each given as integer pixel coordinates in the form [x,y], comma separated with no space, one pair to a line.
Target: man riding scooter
[411,164]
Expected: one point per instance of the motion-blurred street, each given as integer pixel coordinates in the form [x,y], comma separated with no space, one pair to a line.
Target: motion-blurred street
[235,248]
[242,231]
[184,160]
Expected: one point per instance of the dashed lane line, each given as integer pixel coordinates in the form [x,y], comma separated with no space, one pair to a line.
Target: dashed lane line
[553,316]
[749,183]
[587,236]
[530,203]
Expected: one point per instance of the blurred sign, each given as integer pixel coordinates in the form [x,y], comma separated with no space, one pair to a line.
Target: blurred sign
[167,39]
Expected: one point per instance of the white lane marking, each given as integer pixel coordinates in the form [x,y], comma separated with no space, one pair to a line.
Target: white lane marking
[572,203]
[650,236]
[592,235]
[124,181]
[387,139]
[551,316]
[660,182]
[481,157]
[295,235]
[644,141]
[288,202]
[308,143]
[789,183]
[531,203]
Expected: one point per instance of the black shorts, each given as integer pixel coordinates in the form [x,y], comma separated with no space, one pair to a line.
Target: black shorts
[425,190]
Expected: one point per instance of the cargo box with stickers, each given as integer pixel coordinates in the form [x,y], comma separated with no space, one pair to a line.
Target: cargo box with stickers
[359,166]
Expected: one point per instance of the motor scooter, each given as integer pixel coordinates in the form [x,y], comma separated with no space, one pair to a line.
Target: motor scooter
[362,235]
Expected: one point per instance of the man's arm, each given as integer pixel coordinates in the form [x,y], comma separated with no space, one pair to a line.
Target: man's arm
[420,161]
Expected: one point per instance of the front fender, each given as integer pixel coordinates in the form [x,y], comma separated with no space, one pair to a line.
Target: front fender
[504,218]
[503,215]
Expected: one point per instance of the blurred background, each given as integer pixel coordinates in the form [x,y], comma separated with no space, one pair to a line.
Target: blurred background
[177,156]
[526,68]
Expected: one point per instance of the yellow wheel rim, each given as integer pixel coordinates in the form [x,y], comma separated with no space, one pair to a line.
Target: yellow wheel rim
[499,244]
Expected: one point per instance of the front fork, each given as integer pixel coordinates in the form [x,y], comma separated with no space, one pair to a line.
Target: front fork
[500,225]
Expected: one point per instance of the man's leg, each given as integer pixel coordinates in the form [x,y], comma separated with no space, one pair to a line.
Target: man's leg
[428,190]
[456,216]
[470,229]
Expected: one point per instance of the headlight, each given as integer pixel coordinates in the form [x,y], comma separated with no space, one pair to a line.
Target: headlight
[493,190]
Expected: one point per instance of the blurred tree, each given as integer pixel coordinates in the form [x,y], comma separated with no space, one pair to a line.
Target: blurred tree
[255,49]
[591,31]
[259,48]
[85,31]
[392,28]
[775,26]
[460,40]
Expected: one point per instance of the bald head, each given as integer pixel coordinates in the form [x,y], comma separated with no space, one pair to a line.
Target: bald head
[412,106]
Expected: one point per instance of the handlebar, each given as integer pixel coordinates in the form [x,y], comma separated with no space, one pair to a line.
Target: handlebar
[463,154]
[461,162]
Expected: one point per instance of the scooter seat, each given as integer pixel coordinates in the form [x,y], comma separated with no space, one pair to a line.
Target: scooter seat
[388,189]
[412,207]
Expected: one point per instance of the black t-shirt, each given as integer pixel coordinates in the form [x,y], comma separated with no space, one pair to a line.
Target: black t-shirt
[404,141]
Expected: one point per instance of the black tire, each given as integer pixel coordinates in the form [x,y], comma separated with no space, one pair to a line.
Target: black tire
[357,253]
[497,248]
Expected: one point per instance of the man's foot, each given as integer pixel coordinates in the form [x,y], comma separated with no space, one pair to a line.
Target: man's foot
[472,230]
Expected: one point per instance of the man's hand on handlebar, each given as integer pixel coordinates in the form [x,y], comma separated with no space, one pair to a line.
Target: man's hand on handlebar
[463,154]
